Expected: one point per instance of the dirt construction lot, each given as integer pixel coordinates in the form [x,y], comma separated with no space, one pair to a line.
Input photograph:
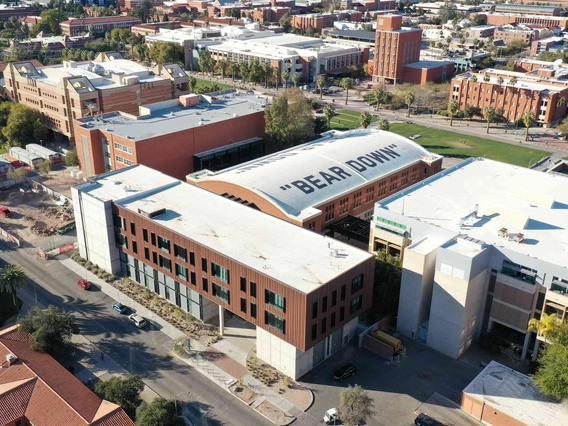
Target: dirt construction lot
[36,219]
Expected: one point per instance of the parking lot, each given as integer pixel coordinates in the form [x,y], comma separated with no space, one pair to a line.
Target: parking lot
[397,389]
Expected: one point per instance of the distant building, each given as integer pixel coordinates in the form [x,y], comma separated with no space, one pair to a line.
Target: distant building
[500,19]
[19,12]
[549,44]
[319,21]
[47,46]
[422,72]
[481,31]
[154,27]
[74,27]
[525,9]
[508,34]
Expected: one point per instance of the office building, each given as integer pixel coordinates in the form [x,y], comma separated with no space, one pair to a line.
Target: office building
[176,136]
[484,248]
[548,44]
[74,90]
[19,12]
[526,9]
[36,390]
[207,254]
[499,19]
[321,182]
[102,24]
[509,33]
[46,46]
[319,21]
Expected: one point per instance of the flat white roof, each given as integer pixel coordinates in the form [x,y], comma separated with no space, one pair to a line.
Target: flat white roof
[516,395]
[522,200]
[301,259]
[297,179]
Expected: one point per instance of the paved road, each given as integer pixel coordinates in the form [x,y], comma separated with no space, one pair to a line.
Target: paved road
[144,352]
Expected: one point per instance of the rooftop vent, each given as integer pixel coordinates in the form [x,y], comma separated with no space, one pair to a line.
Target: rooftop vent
[152,213]
[11,358]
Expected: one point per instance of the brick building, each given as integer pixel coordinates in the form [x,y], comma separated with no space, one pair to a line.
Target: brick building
[525,9]
[303,292]
[167,136]
[265,14]
[500,19]
[422,72]
[319,21]
[81,89]
[316,184]
[73,27]
[20,12]
[547,44]
[37,390]
[538,91]
[154,27]
[48,46]
[509,34]
[394,48]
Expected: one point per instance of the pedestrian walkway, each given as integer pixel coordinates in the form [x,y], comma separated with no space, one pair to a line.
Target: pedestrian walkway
[223,370]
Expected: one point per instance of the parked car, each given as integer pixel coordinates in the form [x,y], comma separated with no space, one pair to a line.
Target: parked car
[5,212]
[331,416]
[344,371]
[86,285]
[424,420]
[137,320]
[119,307]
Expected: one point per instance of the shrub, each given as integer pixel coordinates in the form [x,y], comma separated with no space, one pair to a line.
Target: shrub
[71,158]
[286,382]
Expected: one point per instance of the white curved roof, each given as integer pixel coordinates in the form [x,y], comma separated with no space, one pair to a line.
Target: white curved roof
[308,175]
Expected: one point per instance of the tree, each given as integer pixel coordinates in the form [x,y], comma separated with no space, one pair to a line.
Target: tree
[50,20]
[471,111]
[453,108]
[513,81]
[409,98]
[12,278]
[486,78]
[285,77]
[448,12]
[378,95]
[223,66]
[244,69]
[528,120]
[266,71]
[329,113]
[561,102]
[365,119]
[45,166]
[289,121]
[163,52]
[489,114]
[50,328]
[500,81]
[552,375]
[386,288]
[124,391]
[295,79]
[277,76]
[474,79]
[286,22]
[234,70]
[321,84]
[160,412]
[205,62]
[71,158]
[383,124]
[347,83]
[355,405]
[192,84]
[24,126]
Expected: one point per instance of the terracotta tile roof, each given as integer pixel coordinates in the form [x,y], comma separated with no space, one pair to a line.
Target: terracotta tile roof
[100,20]
[14,399]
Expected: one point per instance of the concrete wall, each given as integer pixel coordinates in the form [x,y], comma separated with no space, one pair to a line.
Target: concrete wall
[282,355]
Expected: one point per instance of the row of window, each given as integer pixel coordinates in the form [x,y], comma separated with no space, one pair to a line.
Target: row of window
[123,160]
[356,304]
[356,285]
[123,148]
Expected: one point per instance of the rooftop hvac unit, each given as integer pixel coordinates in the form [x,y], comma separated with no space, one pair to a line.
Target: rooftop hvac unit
[11,358]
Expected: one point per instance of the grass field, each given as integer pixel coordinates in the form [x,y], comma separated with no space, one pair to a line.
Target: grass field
[449,144]
[201,83]
[346,120]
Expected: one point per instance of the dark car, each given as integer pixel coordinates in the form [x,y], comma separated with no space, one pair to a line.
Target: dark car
[344,372]
[119,307]
[424,420]
[86,285]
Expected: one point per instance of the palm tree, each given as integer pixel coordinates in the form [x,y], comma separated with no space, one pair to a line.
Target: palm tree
[545,327]
[383,124]
[285,77]
[245,71]
[365,119]
[223,66]
[192,84]
[12,278]
[500,81]
[513,81]
[453,108]
[329,113]
[234,70]
[267,71]
[486,78]
[378,95]
[528,119]
[321,84]
[295,79]
[277,76]
[409,98]
[474,79]
[489,114]
[561,101]
[347,83]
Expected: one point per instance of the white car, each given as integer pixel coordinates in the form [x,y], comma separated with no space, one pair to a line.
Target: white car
[137,320]
[331,416]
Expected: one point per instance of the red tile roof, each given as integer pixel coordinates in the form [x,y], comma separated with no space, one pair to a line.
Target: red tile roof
[100,20]
[39,388]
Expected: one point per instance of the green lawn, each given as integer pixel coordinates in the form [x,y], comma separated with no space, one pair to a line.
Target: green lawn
[449,144]
[346,120]
[201,82]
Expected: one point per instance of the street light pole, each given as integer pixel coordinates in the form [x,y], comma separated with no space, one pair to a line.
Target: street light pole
[175,400]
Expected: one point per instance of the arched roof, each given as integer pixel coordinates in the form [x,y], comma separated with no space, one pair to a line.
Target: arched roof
[297,179]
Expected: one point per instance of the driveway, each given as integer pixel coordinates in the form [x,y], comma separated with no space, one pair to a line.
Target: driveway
[397,389]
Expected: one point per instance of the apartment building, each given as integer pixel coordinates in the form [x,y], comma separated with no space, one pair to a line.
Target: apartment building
[102,24]
[319,21]
[74,90]
[394,48]
[540,91]
[207,254]
[483,246]
[316,184]
[175,136]
[266,14]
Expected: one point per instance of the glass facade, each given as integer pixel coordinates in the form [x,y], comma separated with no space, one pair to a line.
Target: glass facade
[275,300]
[275,321]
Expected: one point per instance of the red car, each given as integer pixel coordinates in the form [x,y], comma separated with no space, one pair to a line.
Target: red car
[86,285]
[5,212]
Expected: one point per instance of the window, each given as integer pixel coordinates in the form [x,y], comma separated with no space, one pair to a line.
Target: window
[343,288]
[180,252]
[356,304]
[253,310]
[273,299]
[333,298]
[145,234]
[153,238]
[123,160]
[205,285]
[121,240]
[275,322]
[220,272]
[314,310]
[134,247]
[314,331]
[332,320]
[243,284]
[253,289]
[181,271]
[204,264]
[324,305]
[146,253]
[221,293]
[243,305]
[165,263]
[122,148]
[357,284]
[132,228]
[119,222]
[323,326]
[164,244]
[155,257]
[193,280]
[192,258]
[342,314]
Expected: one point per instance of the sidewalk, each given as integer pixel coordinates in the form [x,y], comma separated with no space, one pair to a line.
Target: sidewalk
[223,370]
